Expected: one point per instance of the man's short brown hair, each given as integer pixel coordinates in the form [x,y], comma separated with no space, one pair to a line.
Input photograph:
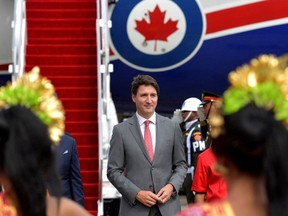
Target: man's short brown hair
[143,80]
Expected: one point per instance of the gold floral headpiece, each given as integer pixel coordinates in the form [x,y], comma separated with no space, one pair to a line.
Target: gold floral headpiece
[264,82]
[38,94]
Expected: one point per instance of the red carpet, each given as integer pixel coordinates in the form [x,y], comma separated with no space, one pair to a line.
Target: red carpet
[62,42]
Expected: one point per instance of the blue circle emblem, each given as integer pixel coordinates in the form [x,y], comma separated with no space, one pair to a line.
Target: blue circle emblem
[156,35]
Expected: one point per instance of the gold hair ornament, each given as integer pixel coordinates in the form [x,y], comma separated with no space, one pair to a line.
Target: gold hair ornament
[263,82]
[38,94]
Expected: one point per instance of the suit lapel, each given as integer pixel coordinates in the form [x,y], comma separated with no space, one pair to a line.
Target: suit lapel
[159,126]
[136,132]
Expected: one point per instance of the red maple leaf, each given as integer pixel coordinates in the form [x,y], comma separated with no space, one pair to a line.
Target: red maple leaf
[156,29]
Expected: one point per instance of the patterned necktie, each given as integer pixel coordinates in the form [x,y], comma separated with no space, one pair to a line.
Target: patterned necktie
[148,140]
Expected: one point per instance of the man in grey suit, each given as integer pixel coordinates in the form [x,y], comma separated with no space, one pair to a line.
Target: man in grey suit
[149,187]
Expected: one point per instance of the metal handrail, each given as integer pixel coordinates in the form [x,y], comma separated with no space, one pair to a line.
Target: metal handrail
[104,69]
[100,101]
[19,39]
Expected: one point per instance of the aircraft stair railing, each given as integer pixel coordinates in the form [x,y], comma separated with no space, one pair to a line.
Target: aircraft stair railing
[19,39]
[105,104]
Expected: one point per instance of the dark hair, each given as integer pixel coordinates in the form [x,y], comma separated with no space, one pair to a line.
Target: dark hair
[257,144]
[27,159]
[143,80]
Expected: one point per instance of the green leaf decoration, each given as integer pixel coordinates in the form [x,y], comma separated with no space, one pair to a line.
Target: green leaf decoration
[36,93]
[267,95]
[282,111]
[20,96]
[235,99]
[44,117]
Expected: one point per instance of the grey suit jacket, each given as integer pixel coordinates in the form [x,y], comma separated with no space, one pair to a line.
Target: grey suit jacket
[130,169]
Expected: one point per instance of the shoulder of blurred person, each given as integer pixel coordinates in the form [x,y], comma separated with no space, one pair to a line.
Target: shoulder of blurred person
[65,207]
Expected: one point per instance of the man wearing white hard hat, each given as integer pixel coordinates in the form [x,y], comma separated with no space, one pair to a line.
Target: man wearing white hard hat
[194,142]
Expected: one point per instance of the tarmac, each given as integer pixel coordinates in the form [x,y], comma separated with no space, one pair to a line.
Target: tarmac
[183,201]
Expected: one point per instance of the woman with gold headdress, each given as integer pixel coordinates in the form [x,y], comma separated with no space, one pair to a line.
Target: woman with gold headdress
[250,141]
[31,121]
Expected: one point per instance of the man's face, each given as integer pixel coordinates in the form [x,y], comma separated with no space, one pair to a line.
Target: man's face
[210,109]
[184,114]
[191,117]
[146,100]
[206,108]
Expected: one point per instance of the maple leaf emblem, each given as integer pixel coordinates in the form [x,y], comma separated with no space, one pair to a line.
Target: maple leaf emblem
[156,29]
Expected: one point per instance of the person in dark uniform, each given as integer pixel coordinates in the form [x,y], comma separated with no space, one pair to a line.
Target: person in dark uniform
[207,184]
[193,141]
[208,107]
[70,169]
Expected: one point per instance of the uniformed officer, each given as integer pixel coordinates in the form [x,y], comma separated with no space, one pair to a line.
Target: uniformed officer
[208,106]
[194,142]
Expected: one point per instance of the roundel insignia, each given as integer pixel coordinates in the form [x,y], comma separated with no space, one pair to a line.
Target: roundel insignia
[156,35]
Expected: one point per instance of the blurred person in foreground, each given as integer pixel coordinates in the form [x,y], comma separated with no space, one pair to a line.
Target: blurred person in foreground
[250,142]
[148,170]
[31,123]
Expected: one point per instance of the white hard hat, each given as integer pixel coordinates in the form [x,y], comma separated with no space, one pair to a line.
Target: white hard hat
[191,104]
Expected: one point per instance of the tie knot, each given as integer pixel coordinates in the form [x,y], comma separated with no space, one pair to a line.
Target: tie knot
[147,122]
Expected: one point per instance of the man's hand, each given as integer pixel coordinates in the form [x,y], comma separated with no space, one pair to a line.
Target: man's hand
[147,198]
[165,193]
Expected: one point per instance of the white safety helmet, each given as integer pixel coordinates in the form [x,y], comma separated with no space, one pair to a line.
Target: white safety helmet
[191,104]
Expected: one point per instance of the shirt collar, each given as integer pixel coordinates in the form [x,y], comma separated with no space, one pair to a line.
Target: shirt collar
[141,120]
[190,123]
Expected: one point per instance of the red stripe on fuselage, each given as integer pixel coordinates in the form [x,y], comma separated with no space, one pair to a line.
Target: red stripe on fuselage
[246,15]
